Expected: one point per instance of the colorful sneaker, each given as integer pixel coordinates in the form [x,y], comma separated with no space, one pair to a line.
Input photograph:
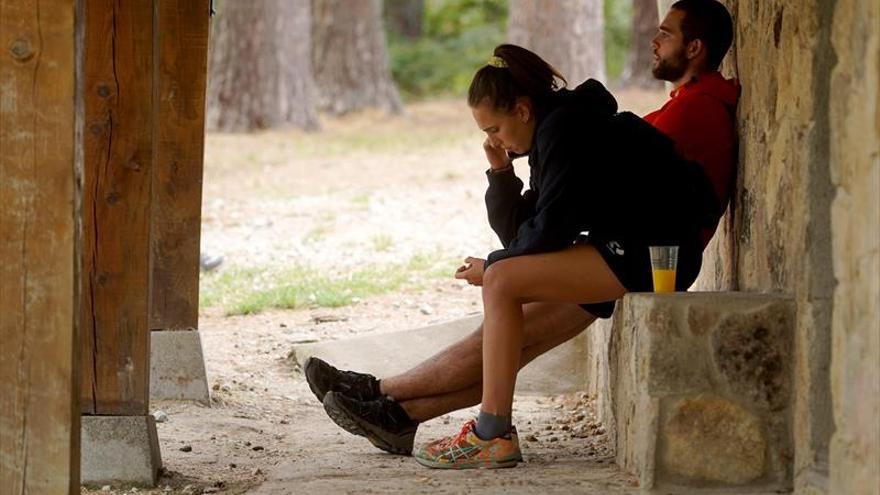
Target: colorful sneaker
[323,378]
[382,421]
[467,451]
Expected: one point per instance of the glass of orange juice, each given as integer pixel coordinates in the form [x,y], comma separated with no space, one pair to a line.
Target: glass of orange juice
[664,261]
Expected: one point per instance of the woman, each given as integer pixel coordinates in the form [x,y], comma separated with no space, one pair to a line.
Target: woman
[603,187]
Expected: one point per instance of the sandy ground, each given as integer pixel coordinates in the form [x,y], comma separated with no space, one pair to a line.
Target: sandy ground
[369,189]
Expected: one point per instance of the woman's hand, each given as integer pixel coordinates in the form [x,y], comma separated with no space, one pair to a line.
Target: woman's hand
[472,271]
[496,155]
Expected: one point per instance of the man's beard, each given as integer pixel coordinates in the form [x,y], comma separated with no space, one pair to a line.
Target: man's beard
[671,68]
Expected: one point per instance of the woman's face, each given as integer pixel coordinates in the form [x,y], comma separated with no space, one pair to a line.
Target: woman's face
[510,130]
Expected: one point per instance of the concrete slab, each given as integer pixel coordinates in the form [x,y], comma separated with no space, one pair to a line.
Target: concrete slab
[561,370]
[177,367]
[120,449]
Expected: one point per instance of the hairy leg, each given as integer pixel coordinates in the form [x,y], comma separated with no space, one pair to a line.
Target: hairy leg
[576,274]
[460,366]
[425,408]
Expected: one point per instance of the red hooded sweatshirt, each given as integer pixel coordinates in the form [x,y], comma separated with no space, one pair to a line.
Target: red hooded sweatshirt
[700,117]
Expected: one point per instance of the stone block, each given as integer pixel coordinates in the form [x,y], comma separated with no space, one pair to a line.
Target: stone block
[561,370]
[752,352]
[177,367]
[712,439]
[119,449]
[700,386]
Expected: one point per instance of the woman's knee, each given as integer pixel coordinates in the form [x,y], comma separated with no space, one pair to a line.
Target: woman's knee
[501,279]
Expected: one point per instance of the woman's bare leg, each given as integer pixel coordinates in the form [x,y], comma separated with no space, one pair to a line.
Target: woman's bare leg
[576,274]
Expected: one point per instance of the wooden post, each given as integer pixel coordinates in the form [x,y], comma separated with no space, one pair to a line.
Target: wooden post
[119,156]
[39,354]
[182,51]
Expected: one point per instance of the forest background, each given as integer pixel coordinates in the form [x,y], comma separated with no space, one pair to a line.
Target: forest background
[276,63]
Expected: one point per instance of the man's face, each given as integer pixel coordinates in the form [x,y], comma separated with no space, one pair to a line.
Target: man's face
[670,61]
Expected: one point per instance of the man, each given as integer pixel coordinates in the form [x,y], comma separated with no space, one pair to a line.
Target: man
[699,117]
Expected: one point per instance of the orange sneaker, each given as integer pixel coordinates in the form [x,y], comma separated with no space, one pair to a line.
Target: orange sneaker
[467,451]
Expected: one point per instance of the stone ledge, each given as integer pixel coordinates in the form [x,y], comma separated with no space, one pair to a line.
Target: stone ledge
[701,387]
[562,370]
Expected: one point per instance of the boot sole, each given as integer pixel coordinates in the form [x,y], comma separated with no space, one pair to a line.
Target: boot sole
[381,439]
[318,394]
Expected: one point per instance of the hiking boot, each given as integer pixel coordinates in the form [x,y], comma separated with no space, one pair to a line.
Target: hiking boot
[382,421]
[468,451]
[323,378]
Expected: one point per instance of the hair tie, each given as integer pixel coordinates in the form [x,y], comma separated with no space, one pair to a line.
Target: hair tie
[497,62]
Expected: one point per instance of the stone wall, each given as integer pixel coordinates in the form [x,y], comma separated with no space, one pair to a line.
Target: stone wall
[804,217]
[855,227]
[777,236]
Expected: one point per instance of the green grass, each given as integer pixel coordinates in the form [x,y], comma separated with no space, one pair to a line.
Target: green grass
[361,200]
[317,234]
[382,242]
[452,175]
[252,290]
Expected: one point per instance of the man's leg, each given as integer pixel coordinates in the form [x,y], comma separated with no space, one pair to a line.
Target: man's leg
[451,379]
[425,408]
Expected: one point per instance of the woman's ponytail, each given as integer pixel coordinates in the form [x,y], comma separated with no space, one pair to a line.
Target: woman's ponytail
[511,73]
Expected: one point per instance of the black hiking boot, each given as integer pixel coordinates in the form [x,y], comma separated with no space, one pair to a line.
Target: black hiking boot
[382,421]
[323,378]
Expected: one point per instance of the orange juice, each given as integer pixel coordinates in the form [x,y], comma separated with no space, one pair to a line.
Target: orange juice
[664,280]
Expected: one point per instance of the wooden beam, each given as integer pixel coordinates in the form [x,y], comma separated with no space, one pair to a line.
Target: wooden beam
[119,156]
[39,353]
[182,30]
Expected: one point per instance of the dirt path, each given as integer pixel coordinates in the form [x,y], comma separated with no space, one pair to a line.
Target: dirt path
[266,428]
[266,433]
[369,191]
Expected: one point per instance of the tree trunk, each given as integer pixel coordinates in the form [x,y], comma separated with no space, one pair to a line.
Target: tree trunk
[350,58]
[260,66]
[641,57]
[566,33]
[404,17]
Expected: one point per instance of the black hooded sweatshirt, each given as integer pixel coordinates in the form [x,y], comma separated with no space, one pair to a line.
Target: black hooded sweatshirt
[598,171]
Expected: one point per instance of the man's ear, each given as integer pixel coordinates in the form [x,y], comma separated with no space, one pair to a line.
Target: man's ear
[694,48]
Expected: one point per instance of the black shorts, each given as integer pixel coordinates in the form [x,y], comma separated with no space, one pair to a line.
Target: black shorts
[631,264]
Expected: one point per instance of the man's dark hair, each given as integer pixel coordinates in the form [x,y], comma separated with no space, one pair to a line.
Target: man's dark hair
[710,22]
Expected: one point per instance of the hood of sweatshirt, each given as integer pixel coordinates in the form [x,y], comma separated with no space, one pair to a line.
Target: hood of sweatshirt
[589,96]
[715,85]
[589,100]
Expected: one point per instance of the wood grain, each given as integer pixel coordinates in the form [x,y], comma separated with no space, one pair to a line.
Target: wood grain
[39,413]
[118,159]
[182,29]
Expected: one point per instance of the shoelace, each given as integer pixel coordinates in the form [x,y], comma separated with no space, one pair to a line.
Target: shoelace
[455,440]
[355,384]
